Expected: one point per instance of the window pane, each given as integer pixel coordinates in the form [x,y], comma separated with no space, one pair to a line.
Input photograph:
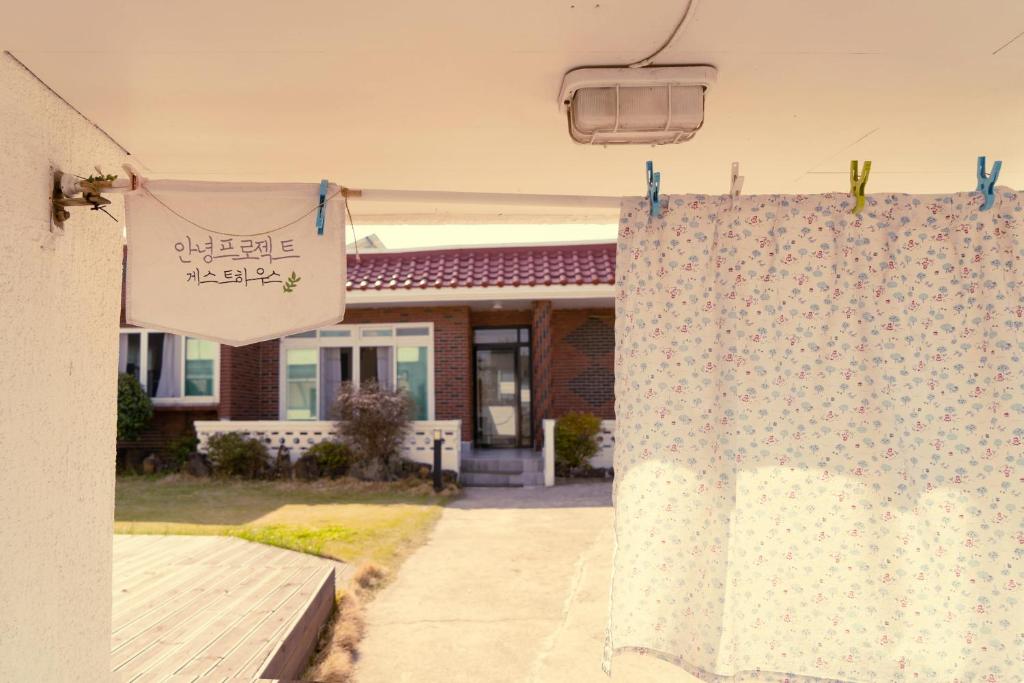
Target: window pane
[524,335]
[301,372]
[375,364]
[130,354]
[412,376]
[200,355]
[303,335]
[386,332]
[300,388]
[413,331]
[507,336]
[335,333]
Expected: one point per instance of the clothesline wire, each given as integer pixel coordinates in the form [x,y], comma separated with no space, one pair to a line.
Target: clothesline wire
[355,240]
[250,234]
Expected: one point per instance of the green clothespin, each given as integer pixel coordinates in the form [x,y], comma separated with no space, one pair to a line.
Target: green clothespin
[857,183]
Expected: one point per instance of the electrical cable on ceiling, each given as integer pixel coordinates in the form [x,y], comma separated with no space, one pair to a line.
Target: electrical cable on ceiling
[687,13]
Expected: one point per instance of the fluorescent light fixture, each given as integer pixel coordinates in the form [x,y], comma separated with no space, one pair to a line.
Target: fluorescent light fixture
[622,106]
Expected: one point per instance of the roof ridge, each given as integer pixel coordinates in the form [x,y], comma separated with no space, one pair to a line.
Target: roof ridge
[485,266]
[493,247]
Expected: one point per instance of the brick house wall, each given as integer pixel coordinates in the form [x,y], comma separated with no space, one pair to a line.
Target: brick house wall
[583,364]
[169,423]
[501,318]
[572,352]
[249,375]
[453,351]
[542,353]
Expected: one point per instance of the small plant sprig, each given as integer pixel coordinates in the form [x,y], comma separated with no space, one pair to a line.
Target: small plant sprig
[100,178]
[290,283]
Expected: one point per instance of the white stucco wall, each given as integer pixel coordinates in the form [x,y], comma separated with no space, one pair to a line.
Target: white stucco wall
[59,296]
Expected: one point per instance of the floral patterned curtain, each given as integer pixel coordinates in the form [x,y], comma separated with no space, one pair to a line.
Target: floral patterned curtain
[820,438]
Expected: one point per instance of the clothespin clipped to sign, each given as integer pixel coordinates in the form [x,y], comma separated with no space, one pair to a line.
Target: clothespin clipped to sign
[987,183]
[321,209]
[857,183]
[735,181]
[654,189]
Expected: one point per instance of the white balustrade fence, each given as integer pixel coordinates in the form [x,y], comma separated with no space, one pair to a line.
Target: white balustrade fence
[299,435]
[605,445]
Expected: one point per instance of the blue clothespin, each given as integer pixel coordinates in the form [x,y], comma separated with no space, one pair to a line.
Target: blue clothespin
[987,183]
[654,189]
[321,209]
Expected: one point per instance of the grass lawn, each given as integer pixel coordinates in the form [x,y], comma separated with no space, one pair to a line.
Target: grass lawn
[347,520]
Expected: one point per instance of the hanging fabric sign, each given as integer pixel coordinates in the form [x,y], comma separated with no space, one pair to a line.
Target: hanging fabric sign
[819,440]
[235,263]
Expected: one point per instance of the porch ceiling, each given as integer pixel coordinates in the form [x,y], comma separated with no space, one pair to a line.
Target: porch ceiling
[461,95]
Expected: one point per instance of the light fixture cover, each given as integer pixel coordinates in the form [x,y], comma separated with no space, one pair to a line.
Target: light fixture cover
[649,106]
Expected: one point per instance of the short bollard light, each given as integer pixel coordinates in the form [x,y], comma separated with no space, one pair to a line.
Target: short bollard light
[438,441]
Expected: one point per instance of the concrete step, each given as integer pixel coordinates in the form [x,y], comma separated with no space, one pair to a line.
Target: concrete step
[502,479]
[533,479]
[502,465]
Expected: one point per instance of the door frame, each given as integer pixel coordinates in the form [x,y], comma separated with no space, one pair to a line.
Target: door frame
[511,346]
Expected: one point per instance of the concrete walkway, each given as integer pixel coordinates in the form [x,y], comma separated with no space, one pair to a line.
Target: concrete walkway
[511,587]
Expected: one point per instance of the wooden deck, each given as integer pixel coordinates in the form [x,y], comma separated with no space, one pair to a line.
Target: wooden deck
[212,608]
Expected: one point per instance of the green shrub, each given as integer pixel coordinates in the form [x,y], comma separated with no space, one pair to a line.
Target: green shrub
[134,408]
[333,458]
[233,455]
[179,448]
[576,439]
[306,468]
[374,421]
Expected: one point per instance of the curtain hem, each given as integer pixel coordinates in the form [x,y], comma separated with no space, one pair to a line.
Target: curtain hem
[744,676]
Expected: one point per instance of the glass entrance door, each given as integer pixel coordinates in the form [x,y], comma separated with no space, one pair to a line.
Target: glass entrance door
[502,371]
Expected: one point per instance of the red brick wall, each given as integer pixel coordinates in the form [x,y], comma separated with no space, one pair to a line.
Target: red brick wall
[501,318]
[238,370]
[249,388]
[542,352]
[168,424]
[582,365]
[249,375]
[453,350]
[572,366]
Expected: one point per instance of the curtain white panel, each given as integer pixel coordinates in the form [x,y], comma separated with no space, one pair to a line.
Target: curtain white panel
[169,384]
[330,380]
[384,364]
[820,438]
[122,353]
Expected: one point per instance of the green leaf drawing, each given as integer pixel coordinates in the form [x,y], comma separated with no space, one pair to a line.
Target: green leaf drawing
[290,283]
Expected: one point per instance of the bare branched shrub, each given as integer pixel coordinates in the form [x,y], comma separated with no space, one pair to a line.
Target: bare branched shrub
[374,422]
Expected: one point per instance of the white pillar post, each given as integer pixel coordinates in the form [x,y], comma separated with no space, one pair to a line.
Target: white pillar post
[549,452]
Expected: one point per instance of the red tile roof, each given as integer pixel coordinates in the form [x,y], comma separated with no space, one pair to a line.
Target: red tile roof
[511,266]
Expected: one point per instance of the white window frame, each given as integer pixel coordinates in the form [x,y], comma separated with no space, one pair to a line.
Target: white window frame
[144,369]
[355,341]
